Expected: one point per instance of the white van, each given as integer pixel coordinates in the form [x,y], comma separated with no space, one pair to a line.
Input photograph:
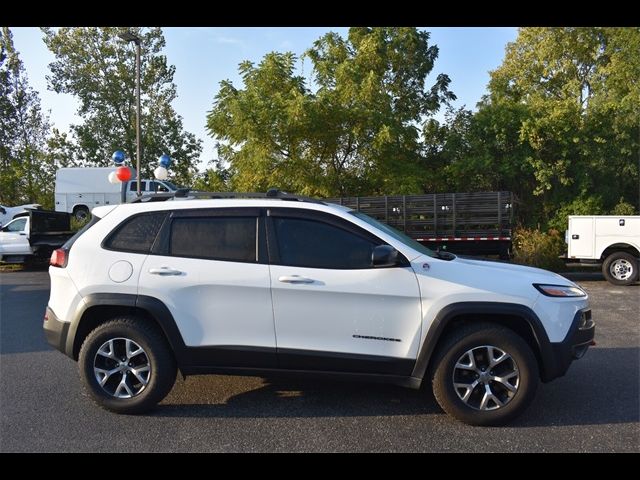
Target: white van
[79,190]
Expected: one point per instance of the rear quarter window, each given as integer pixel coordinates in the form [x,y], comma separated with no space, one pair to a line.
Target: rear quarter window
[136,234]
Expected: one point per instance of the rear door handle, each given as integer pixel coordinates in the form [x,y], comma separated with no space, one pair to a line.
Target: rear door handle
[164,271]
[295,279]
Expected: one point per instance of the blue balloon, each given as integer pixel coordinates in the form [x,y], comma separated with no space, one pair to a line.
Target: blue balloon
[165,160]
[118,157]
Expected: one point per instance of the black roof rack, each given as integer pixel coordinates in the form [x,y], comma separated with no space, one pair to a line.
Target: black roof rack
[188,194]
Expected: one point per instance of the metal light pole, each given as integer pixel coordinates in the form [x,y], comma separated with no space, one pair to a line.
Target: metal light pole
[131,37]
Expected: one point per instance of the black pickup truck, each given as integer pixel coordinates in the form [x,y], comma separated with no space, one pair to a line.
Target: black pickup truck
[34,235]
[477,223]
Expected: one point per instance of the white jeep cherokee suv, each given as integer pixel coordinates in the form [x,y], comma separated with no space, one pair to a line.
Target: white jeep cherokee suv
[287,284]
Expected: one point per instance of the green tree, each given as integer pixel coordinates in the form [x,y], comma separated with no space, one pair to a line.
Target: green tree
[623,208]
[482,151]
[97,67]
[215,179]
[568,103]
[25,173]
[355,132]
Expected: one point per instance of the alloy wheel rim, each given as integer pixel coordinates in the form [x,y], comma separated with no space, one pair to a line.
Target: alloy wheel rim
[486,378]
[621,269]
[122,368]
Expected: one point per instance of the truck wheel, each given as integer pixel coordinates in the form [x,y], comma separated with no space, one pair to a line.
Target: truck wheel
[126,365]
[620,268]
[81,213]
[505,252]
[485,374]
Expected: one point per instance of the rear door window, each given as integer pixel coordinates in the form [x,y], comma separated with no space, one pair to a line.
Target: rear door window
[227,238]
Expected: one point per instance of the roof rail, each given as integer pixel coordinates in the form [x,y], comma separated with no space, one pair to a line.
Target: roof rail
[188,194]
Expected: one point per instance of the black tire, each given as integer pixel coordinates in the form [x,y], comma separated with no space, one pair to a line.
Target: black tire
[81,213]
[505,252]
[616,264]
[44,254]
[162,373]
[476,336]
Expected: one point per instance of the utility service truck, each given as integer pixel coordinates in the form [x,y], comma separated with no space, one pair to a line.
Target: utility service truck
[79,190]
[607,240]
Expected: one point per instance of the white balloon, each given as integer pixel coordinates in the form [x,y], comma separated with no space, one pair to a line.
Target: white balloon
[161,173]
[113,178]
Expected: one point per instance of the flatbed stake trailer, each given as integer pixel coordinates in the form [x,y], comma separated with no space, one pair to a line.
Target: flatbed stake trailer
[476,223]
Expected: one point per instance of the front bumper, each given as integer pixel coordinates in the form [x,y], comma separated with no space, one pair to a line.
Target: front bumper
[55,331]
[574,346]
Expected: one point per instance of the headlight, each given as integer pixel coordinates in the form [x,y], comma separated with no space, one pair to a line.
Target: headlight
[559,290]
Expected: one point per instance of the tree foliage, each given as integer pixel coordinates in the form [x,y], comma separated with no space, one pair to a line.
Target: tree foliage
[560,125]
[352,130]
[98,68]
[26,174]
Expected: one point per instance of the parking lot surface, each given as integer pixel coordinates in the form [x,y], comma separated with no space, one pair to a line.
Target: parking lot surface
[595,407]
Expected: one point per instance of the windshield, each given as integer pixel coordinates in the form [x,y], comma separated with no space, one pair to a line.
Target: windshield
[170,184]
[401,237]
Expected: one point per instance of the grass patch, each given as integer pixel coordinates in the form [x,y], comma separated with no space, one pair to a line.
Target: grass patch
[11,267]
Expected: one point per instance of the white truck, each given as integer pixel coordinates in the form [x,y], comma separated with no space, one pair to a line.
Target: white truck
[9,213]
[613,241]
[33,236]
[79,190]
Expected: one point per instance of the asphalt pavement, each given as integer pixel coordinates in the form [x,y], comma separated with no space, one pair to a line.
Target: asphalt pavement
[594,408]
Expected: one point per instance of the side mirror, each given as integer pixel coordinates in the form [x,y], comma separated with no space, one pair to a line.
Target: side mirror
[384,256]
[3,211]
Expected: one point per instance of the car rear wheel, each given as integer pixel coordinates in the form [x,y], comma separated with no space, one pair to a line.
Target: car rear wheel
[485,374]
[126,365]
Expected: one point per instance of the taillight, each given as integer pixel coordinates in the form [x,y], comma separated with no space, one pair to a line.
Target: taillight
[59,258]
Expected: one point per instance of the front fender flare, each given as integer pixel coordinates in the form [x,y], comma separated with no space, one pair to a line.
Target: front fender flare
[451,311]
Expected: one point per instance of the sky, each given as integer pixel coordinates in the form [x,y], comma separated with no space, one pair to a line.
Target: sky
[204,56]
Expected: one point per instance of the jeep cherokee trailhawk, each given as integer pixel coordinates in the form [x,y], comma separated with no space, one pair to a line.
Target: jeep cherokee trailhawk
[279,283]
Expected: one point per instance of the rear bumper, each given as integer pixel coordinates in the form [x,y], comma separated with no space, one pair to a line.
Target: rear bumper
[55,331]
[573,347]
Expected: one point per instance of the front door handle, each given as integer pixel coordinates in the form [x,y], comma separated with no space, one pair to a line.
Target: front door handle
[164,271]
[295,279]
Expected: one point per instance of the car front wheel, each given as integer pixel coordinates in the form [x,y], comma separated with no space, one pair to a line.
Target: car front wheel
[485,374]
